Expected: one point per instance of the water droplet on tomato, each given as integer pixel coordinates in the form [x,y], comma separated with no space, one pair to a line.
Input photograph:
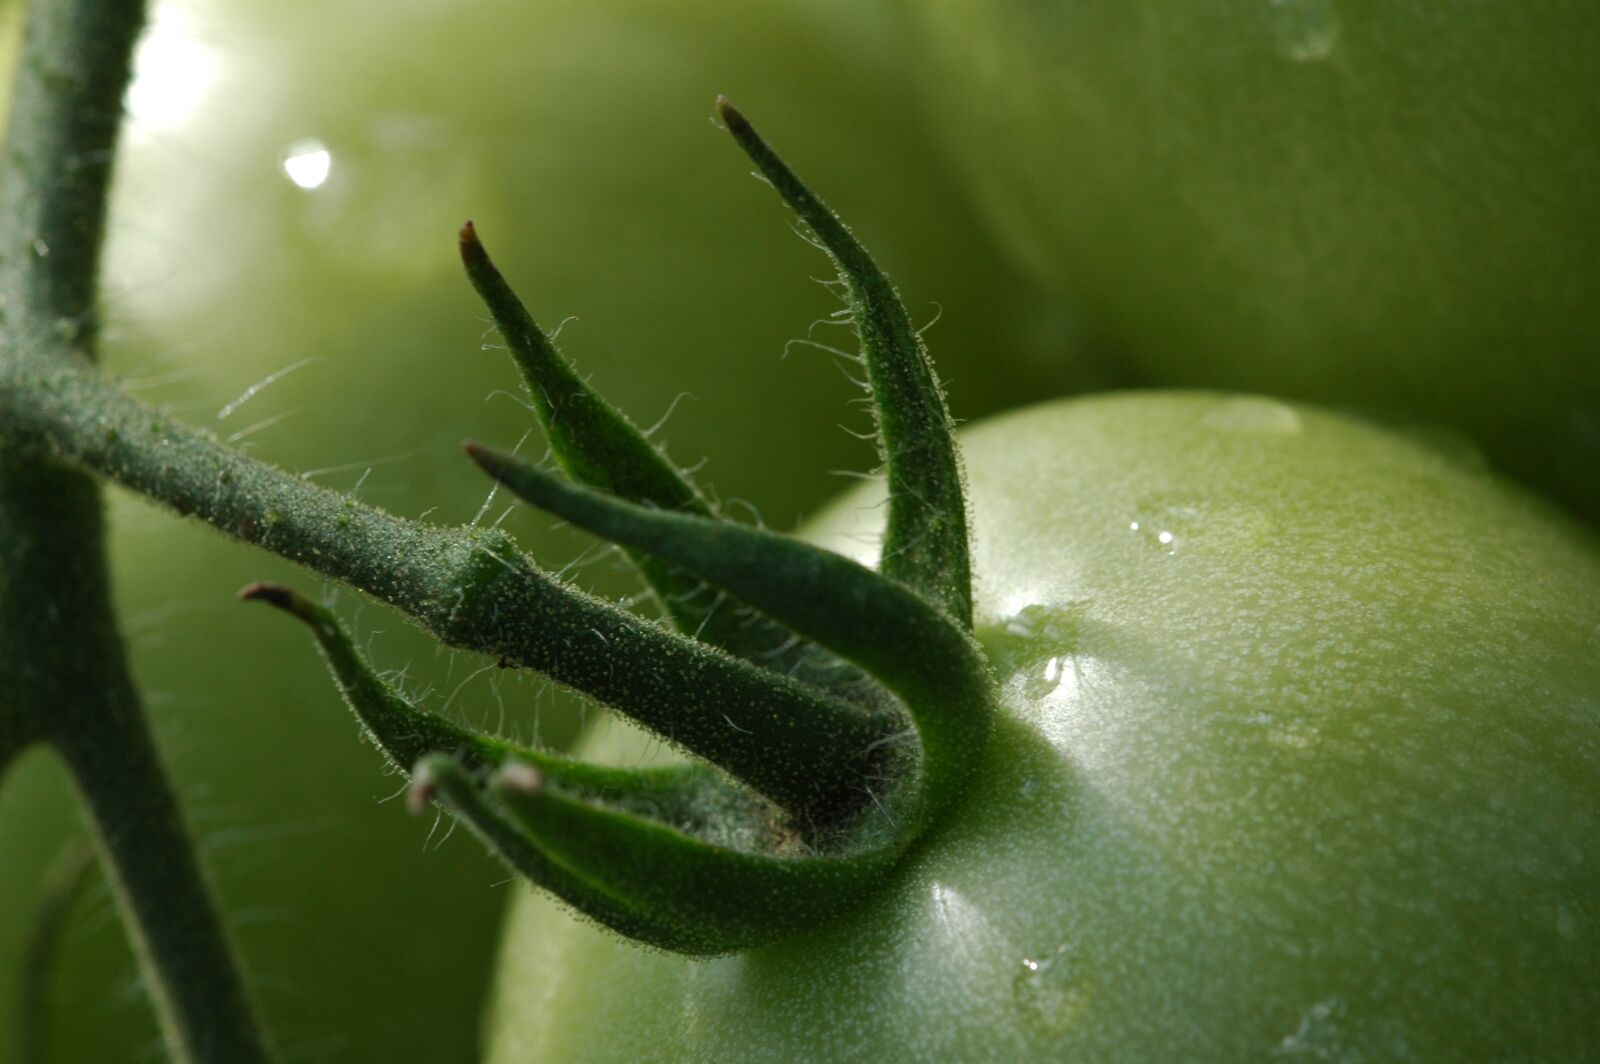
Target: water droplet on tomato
[1040,644]
[1176,524]
[1049,988]
[1060,671]
[1166,525]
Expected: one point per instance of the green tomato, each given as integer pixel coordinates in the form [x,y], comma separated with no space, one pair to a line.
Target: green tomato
[1390,207]
[1297,758]
[577,134]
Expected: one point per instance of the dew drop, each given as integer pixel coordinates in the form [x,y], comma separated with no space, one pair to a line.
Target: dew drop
[1040,644]
[1166,525]
[1049,988]
[1174,524]
[1262,417]
[1040,682]
[1305,31]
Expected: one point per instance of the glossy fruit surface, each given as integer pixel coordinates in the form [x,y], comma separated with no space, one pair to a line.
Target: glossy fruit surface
[579,135]
[1391,207]
[1301,722]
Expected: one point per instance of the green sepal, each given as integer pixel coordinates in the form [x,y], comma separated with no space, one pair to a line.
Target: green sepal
[722,899]
[687,816]
[406,733]
[597,444]
[399,729]
[908,644]
[677,856]
[438,776]
[925,539]
[833,775]
[803,748]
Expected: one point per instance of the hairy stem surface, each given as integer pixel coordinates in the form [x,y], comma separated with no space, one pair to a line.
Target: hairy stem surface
[62,669]
[471,588]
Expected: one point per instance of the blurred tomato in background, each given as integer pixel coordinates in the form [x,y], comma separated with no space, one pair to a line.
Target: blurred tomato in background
[1393,208]
[282,269]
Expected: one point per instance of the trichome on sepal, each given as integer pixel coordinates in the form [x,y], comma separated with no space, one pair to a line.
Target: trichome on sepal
[853,706]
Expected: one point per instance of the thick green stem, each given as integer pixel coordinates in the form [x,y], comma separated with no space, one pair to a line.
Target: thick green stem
[63,663]
[65,679]
[204,1006]
[471,588]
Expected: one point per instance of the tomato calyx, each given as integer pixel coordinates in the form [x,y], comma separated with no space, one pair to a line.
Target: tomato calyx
[836,711]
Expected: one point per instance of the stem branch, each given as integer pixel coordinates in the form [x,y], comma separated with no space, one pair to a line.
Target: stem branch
[471,588]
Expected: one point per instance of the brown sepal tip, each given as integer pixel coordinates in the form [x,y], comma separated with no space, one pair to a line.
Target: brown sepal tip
[731,116]
[273,594]
[472,250]
[489,460]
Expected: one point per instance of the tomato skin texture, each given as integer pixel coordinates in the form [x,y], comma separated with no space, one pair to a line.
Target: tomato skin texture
[1391,207]
[1303,765]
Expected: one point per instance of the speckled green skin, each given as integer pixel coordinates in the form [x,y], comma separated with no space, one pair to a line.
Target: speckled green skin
[1392,206]
[1302,765]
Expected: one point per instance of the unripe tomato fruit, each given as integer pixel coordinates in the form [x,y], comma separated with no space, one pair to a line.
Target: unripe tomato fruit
[1300,730]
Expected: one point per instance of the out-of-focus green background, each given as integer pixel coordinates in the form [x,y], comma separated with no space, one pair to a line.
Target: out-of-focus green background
[577,133]
[1390,207]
